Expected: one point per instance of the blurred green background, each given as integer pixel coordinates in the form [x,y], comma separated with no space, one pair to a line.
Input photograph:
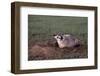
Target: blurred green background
[42,27]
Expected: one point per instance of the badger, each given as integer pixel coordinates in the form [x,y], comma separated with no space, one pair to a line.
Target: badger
[67,40]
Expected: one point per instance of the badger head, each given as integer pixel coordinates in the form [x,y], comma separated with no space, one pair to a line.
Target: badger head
[58,37]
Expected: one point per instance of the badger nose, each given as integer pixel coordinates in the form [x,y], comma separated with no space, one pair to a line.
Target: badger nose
[54,34]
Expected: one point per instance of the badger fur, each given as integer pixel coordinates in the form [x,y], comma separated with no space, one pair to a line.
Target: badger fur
[67,40]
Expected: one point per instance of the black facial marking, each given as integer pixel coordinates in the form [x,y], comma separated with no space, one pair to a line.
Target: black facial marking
[57,37]
[61,37]
[54,34]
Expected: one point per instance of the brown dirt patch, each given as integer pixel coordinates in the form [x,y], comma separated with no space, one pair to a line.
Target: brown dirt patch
[44,50]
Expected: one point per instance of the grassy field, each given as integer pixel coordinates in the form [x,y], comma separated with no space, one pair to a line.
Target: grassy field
[41,29]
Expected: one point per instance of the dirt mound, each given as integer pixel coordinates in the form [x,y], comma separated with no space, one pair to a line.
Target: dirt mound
[44,50]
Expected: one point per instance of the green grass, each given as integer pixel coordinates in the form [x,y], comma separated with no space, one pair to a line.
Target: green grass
[43,27]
